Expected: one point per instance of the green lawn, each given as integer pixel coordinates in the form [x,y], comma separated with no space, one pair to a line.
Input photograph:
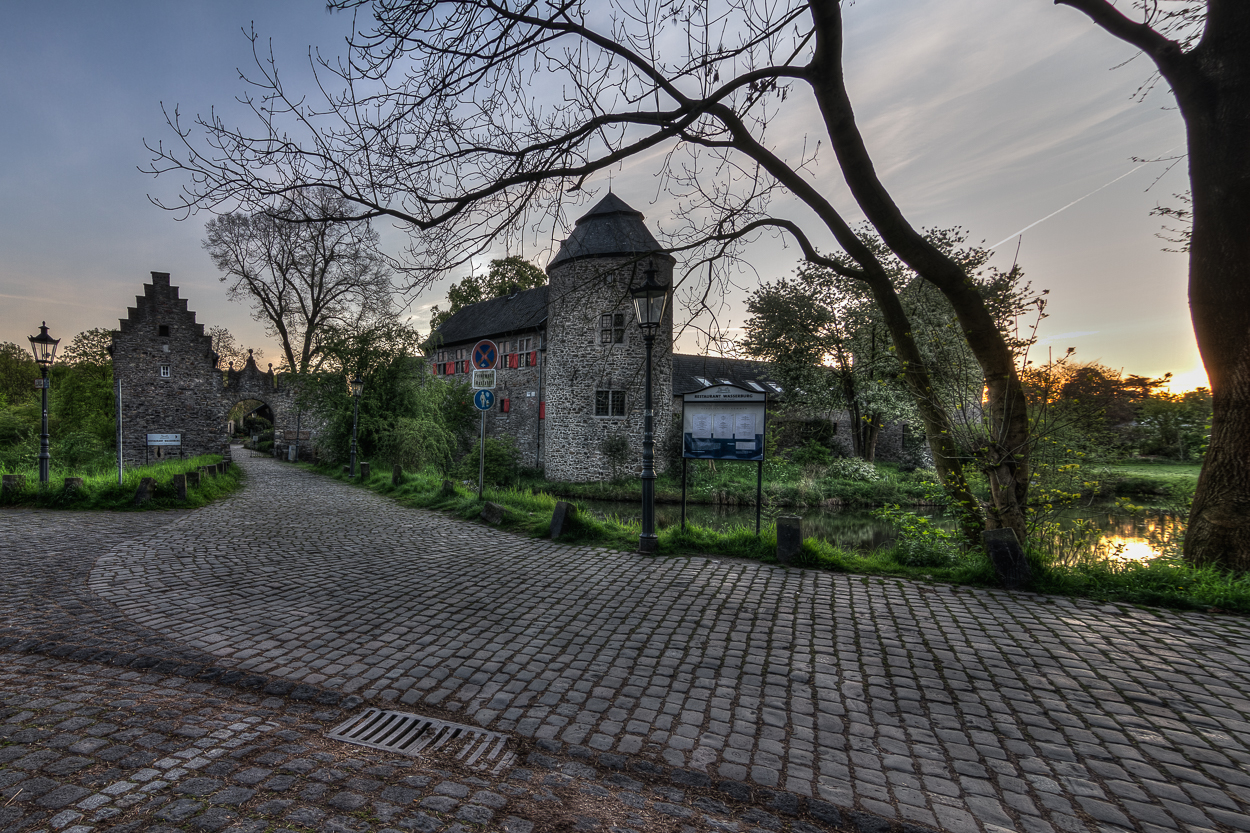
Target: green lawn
[102,491]
[1154,478]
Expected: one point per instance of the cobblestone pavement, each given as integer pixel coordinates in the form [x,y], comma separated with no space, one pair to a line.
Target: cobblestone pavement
[956,708]
[87,747]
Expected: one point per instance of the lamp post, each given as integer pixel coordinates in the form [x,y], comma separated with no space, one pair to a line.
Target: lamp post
[44,348]
[358,386]
[650,302]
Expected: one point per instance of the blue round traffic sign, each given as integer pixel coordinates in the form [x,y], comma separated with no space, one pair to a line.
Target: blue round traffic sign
[485,354]
[483,399]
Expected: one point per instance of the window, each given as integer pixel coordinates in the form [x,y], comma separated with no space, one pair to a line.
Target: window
[164,371]
[612,328]
[703,381]
[724,381]
[162,330]
[776,387]
[756,386]
[610,403]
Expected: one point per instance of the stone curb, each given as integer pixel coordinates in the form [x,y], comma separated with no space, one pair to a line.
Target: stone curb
[779,801]
[265,684]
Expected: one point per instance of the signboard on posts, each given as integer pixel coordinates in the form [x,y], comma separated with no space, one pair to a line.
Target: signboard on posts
[723,422]
[164,439]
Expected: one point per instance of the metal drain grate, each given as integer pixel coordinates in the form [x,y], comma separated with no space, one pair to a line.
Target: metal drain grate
[410,734]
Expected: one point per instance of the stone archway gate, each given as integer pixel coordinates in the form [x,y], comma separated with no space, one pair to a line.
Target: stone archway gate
[172,384]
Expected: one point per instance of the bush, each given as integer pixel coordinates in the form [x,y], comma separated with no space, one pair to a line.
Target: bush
[812,453]
[853,468]
[920,543]
[616,448]
[503,462]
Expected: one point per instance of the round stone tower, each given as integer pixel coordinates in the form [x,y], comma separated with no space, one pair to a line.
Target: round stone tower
[595,353]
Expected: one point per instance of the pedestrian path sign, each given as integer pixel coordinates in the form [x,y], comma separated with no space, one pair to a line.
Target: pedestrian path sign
[483,400]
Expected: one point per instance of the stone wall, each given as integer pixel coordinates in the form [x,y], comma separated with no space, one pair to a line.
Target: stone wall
[579,364]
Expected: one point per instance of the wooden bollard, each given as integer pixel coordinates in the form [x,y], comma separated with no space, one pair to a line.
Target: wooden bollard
[449,488]
[562,518]
[72,484]
[180,483]
[364,471]
[147,487]
[397,475]
[211,471]
[13,483]
[193,480]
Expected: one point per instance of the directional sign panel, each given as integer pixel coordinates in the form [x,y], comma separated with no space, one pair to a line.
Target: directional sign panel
[483,400]
[485,354]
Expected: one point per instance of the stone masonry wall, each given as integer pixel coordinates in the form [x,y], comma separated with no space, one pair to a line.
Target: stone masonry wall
[578,364]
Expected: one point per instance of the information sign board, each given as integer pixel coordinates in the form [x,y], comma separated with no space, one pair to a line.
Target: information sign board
[485,355]
[483,379]
[43,383]
[164,439]
[724,422]
[290,436]
[483,400]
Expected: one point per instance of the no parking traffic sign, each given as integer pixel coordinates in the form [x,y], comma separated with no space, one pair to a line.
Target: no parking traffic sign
[483,400]
[485,355]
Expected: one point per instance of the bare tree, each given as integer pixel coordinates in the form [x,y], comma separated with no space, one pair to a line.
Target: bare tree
[228,349]
[468,120]
[303,270]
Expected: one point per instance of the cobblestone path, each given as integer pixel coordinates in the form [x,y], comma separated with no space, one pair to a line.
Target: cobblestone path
[960,709]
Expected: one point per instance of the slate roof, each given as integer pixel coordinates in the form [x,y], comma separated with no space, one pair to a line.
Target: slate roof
[610,228]
[498,316]
[687,369]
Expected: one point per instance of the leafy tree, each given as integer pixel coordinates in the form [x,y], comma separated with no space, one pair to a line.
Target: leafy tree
[505,276]
[303,271]
[82,391]
[406,416]
[18,372]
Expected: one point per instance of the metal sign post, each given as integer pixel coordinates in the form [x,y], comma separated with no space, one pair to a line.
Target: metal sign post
[119,432]
[483,399]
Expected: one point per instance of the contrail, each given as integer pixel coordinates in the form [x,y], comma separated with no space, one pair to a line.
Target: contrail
[1075,201]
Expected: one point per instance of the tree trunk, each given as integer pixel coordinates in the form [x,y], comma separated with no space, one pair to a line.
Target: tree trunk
[872,430]
[1003,453]
[1216,108]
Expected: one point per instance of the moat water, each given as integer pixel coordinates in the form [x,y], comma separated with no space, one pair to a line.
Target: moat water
[1127,537]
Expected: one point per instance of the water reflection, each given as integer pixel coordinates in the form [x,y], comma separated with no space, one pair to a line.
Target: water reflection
[1126,538]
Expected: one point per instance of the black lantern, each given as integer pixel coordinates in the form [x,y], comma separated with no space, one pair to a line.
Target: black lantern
[357,385]
[44,348]
[650,302]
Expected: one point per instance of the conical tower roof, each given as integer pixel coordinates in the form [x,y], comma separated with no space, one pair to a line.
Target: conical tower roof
[611,228]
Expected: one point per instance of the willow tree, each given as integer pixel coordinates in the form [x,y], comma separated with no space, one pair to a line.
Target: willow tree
[470,120]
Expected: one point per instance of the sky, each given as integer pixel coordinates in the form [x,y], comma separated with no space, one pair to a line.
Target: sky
[978,113]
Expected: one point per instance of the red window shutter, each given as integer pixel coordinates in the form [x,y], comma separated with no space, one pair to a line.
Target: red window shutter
[542,410]
[449,369]
[533,358]
[506,405]
[512,360]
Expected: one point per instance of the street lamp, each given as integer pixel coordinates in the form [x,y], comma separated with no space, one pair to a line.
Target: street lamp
[44,348]
[650,302]
[358,387]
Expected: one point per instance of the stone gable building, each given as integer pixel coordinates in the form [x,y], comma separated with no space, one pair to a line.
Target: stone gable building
[171,382]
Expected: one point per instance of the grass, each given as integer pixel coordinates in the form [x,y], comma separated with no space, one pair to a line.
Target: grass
[733,484]
[1162,582]
[1149,479]
[102,491]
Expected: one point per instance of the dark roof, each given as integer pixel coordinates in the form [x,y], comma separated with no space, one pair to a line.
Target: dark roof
[498,316]
[687,369]
[610,228]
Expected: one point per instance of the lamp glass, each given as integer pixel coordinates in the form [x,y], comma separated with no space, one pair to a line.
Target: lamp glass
[650,302]
[44,345]
[358,386]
